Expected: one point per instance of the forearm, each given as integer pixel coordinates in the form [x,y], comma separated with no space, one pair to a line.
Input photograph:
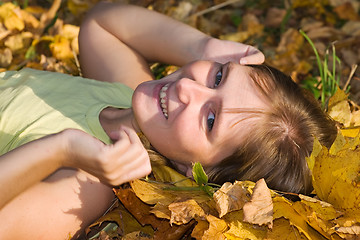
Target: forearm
[27,165]
[154,36]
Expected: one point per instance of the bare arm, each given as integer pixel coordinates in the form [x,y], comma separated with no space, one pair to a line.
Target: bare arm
[116,42]
[22,168]
[112,164]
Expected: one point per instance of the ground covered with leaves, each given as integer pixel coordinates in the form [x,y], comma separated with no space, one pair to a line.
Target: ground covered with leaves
[322,57]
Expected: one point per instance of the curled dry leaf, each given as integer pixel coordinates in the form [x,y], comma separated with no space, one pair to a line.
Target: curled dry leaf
[230,197]
[260,208]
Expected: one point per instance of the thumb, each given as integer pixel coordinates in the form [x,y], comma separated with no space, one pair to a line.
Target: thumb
[115,135]
[256,57]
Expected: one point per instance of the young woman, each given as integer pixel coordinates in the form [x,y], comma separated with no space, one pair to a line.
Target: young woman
[66,140]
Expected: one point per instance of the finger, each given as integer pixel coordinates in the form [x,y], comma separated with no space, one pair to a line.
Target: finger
[134,169]
[132,134]
[254,57]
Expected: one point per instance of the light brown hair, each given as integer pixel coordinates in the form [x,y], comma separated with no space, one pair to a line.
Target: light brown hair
[281,137]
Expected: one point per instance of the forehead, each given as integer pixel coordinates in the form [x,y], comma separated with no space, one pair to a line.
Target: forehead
[242,102]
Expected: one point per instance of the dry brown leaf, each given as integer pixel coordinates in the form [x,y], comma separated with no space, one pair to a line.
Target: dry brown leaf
[347,226]
[354,230]
[126,222]
[274,17]
[351,28]
[142,213]
[324,32]
[184,211]
[346,11]
[230,197]
[19,41]
[260,208]
[161,211]
[5,57]
[252,25]
[291,41]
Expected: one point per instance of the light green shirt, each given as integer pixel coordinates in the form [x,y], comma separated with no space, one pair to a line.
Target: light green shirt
[37,103]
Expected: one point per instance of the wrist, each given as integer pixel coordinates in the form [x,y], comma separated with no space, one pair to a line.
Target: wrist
[201,49]
[64,151]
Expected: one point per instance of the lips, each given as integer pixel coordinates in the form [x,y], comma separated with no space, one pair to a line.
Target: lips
[163,99]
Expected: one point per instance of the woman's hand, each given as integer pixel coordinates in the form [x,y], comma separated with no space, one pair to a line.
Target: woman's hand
[123,161]
[224,51]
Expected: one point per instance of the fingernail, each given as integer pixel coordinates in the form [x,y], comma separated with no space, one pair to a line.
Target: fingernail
[243,61]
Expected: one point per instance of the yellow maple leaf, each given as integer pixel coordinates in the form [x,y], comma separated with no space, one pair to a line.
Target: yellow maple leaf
[318,214]
[283,208]
[336,174]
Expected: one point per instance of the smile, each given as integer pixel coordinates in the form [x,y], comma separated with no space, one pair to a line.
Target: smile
[163,99]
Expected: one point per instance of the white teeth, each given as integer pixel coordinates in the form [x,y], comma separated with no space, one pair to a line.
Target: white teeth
[162,96]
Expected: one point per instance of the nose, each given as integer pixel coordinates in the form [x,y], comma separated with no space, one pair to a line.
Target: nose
[189,90]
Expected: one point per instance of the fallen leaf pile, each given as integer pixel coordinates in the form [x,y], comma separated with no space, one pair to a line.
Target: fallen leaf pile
[43,35]
[244,210]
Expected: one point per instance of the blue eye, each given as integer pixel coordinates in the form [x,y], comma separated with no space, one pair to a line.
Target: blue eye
[210,121]
[218,78]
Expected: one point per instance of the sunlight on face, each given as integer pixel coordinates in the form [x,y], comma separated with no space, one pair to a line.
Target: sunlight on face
[183,114]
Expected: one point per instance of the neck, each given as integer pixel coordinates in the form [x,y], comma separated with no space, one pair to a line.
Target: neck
[111,119]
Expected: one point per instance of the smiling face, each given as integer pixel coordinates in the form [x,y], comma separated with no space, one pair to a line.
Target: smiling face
[183,114]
